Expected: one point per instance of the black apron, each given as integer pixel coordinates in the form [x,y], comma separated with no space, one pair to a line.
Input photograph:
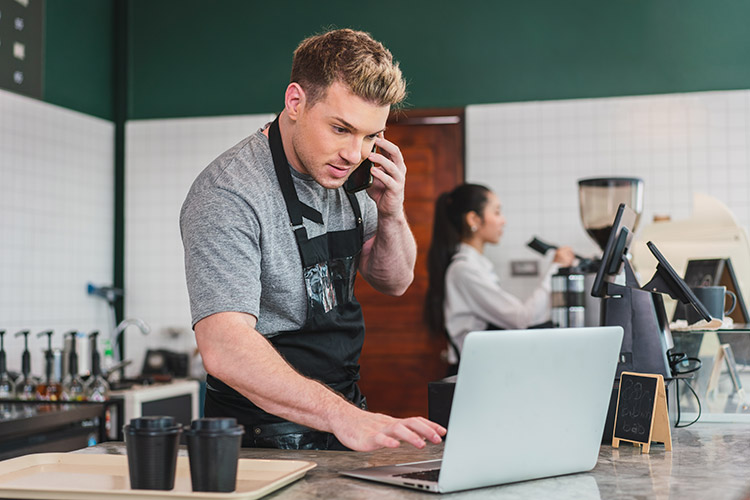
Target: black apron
[327,346]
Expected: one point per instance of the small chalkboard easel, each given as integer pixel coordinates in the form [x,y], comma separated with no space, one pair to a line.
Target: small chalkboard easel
[641,416]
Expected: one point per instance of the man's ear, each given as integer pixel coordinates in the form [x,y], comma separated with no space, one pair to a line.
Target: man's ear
[294,100]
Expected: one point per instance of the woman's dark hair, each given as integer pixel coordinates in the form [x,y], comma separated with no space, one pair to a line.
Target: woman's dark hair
[448,229]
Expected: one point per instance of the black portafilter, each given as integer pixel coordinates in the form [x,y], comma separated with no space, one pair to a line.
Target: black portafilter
[543,247]
[540,246]
[26,356]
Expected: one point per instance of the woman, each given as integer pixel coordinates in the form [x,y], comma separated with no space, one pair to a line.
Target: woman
[464,293]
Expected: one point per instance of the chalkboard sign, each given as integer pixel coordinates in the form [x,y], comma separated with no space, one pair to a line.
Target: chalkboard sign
[641,415]
[635,407]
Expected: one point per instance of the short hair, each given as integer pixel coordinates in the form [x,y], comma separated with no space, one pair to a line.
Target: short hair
[355,59]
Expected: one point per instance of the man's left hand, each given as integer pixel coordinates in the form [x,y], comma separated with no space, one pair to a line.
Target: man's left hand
[389,173]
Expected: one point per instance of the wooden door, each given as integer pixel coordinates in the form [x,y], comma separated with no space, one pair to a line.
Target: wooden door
[400,356]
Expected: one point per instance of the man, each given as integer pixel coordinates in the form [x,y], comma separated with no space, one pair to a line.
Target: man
[272,246]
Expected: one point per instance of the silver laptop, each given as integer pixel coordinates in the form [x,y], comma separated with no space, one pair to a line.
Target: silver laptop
[528,404]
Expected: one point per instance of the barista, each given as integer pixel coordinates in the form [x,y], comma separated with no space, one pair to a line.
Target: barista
[273,242]
[464,292]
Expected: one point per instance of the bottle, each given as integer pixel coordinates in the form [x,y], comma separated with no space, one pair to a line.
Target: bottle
[26,385]
[7,386]
[73,387]
[50,389]
[97,388]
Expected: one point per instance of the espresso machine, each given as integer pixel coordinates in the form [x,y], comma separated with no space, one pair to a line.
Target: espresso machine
[622,301]
[610,211]
[604,202]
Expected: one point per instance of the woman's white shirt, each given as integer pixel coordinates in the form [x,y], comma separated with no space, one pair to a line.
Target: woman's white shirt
[474,298]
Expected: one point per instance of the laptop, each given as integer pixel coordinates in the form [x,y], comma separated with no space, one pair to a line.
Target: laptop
[527,404]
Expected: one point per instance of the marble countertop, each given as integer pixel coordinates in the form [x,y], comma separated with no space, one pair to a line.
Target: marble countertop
[708,461]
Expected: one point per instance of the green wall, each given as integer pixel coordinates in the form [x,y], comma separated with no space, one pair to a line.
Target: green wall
[222,57]
[79,54]
[201,57]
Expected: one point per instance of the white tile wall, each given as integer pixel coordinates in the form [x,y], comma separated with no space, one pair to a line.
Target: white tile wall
[533,153]
[56,193]
[56,221]
[163,157]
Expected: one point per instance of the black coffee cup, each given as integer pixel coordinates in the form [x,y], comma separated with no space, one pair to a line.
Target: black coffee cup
[214,448]
[713,297]
[152,444]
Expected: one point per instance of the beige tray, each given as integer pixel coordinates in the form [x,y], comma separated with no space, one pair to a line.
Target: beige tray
[72,476]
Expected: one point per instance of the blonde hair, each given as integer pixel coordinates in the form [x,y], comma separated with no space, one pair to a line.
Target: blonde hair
[355,59]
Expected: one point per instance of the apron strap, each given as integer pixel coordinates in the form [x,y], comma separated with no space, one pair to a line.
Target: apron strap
[357,215]
[296,208]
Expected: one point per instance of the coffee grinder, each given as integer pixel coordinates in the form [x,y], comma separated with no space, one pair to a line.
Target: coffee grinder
[598,199]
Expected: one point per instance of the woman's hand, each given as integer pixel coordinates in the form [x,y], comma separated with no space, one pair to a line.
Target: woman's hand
[564,256]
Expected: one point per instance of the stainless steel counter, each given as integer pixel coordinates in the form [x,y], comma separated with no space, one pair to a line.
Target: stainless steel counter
[707,461]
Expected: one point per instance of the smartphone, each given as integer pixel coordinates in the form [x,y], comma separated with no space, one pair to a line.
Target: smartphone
[361,178]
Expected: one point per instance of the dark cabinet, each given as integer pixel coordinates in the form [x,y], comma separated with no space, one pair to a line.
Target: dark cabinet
[45,427]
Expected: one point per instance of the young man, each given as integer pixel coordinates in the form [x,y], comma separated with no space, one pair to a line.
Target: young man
[273,243]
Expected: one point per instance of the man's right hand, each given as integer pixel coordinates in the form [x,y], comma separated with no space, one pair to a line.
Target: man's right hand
[365,431]
[238,355]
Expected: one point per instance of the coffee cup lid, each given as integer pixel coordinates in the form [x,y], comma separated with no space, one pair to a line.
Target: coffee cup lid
[215,425]
[152,423]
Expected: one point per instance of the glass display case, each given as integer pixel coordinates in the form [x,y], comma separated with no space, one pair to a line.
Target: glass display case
[720,383]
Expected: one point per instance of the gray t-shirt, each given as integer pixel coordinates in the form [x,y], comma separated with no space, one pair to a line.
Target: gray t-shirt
[240,251]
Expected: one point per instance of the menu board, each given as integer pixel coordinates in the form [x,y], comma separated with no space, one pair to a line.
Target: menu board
[21,46]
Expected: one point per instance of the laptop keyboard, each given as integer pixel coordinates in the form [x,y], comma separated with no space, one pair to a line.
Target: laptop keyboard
[423,475]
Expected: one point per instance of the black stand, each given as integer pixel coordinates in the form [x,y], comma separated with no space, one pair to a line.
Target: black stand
[646,337]
[642,316]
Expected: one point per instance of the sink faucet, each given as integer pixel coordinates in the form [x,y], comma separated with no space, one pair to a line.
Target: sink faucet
[115,337]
